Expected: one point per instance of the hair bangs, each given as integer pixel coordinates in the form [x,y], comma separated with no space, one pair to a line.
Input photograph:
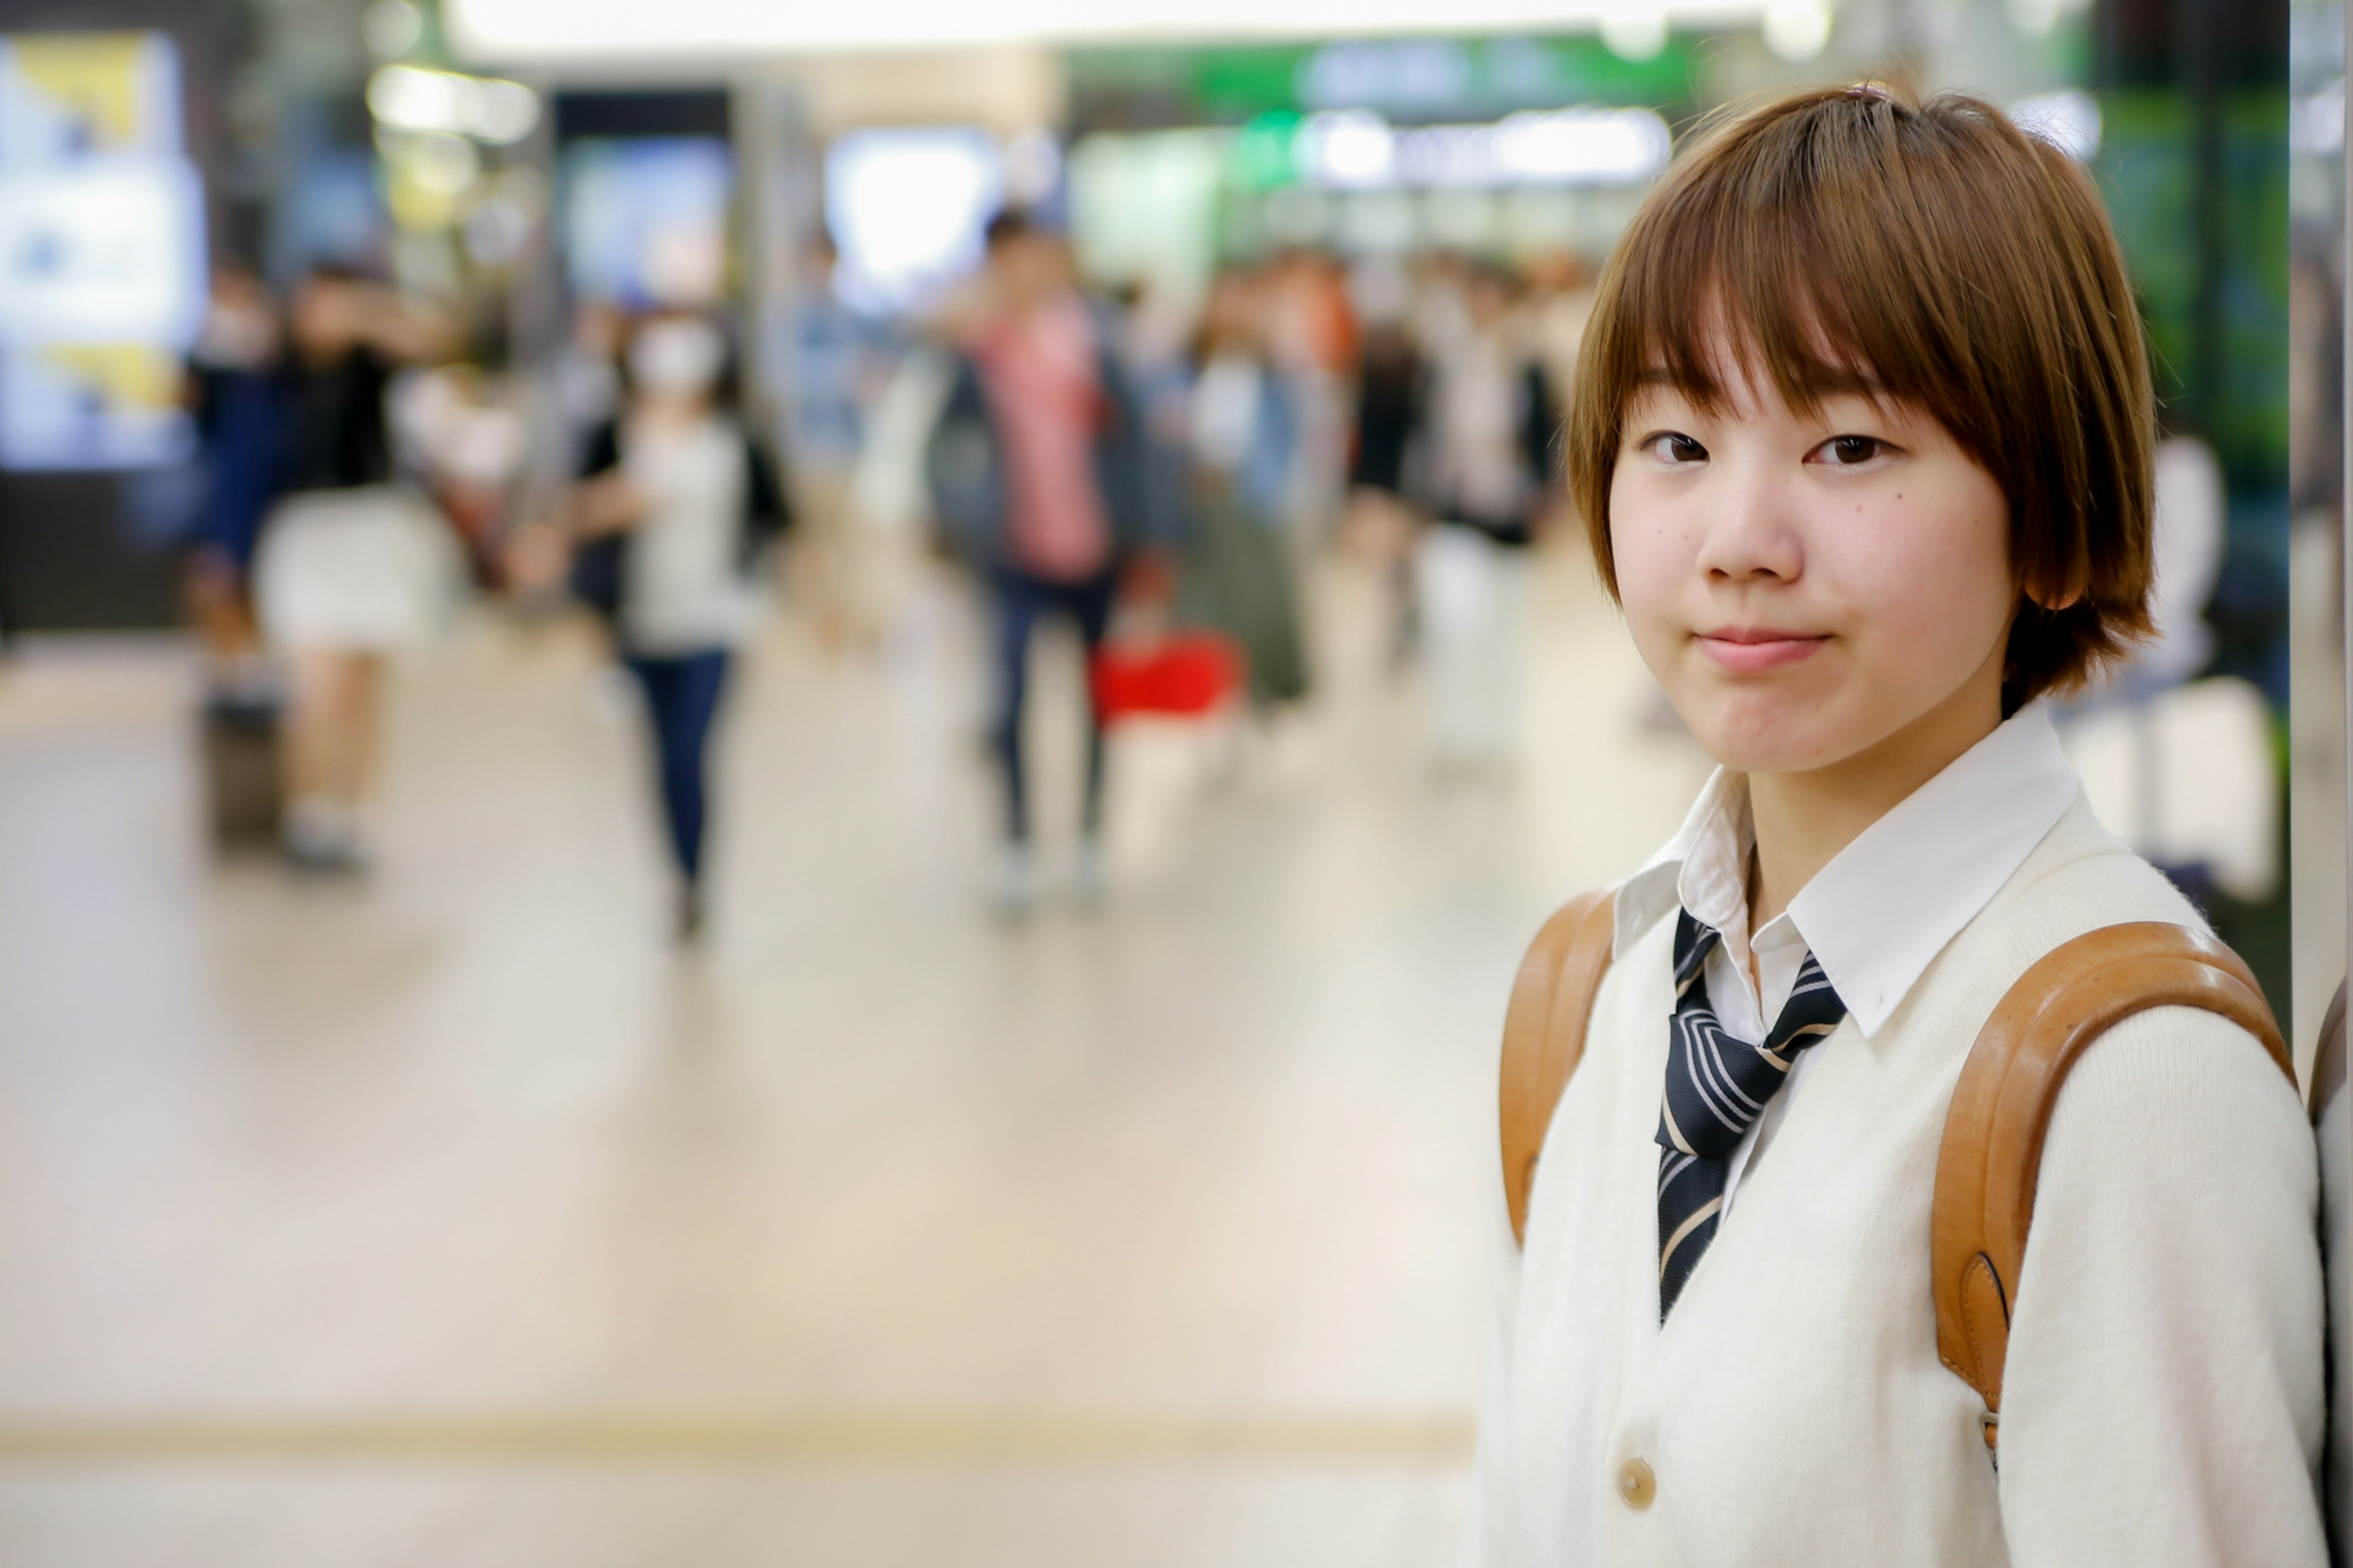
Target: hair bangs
[1748,303]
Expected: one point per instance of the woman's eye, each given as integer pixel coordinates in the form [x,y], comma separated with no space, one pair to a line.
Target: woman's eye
[1847,451]
[1668,446]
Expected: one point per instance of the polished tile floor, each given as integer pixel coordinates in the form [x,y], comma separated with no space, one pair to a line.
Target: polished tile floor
[457,1218]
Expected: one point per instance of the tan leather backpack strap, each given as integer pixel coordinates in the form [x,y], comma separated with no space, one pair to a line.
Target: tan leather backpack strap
[1544,1034]
[2328,1056]
[1993,1151]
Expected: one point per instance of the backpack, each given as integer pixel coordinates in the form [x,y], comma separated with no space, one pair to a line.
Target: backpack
[2331,1116]
[1992,1147]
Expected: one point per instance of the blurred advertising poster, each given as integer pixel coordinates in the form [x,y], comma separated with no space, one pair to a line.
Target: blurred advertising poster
[645,219]
[102,251]
[906,205]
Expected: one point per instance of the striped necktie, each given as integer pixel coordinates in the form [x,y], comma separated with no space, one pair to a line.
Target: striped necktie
[1717,1087]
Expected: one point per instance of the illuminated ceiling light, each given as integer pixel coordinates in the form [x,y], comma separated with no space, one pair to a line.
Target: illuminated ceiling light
[1797,29]
[2069,121]
[1634,29]
[721,31]
[1347,147]
[1588,147]
[1584,146]
[410,97]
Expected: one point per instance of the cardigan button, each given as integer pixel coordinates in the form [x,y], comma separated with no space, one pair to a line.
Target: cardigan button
[1636,1484]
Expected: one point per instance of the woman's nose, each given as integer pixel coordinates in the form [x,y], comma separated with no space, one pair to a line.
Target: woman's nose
[1752,529]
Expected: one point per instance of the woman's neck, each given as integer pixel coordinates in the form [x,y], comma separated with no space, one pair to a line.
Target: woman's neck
[1803,820]
[668,414]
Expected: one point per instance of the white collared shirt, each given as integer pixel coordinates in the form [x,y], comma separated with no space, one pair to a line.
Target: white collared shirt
[1877,914]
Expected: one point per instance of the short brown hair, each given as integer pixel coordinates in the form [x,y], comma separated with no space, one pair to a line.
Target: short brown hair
[1855,239]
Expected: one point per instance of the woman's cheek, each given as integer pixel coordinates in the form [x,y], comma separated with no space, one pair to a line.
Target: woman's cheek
[1646,593]
[1941,600]
[1642,547]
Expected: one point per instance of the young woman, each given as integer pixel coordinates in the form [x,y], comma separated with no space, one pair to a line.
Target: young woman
[676,502]
[1861,435]
[353,565]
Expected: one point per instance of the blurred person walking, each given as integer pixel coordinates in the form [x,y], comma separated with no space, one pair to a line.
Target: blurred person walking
[350,566]
[238,396]
[1244,440]
[1379,521]
[1037,469]
[1389,407]
[574,395]
[1309,331]
[239,402]
[675,505]
[1485,465]
[840,362]
[1560,303]
[584,377]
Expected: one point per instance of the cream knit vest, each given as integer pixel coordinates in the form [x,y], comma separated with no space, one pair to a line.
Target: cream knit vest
[1794,1411]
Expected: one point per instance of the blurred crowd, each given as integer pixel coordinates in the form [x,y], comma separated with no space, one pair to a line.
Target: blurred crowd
[1155,472]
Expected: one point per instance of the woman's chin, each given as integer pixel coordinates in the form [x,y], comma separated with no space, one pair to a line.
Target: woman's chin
[1754,735]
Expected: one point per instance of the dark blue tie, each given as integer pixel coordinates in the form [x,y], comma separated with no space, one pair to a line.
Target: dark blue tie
[1717,1087]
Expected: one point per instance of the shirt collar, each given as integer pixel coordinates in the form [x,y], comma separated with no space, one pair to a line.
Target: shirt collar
[1938,858]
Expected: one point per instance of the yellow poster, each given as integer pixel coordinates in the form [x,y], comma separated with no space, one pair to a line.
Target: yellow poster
[66,95]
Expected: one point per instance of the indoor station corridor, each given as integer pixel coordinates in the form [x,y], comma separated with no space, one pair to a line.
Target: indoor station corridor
[772,777]
[456,1217]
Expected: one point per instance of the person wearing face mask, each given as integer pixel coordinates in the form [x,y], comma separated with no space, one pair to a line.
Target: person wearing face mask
[675,504]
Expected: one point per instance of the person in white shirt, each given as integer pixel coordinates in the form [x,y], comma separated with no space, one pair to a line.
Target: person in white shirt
[1863,438]
[676,500]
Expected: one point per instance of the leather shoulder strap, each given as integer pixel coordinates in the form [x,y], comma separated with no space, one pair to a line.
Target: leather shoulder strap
[1993,1151]
[2328,1058]
[1544,1034]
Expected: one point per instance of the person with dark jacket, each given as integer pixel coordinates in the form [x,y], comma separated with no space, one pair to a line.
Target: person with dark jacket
[1035,469]
[676,502]
[1483,468]
[238,396]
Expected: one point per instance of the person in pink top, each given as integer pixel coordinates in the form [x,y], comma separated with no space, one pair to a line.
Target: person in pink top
[1036,473]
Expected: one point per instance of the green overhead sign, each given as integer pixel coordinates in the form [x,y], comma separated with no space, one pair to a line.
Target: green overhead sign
[1406,79]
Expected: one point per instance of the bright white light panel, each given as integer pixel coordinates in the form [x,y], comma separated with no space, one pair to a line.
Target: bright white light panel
[520,30]
[906,207]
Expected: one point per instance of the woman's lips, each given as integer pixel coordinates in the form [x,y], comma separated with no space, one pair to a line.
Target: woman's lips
[1746,651]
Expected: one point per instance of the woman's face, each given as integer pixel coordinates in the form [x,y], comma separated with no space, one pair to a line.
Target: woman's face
[678,358]
[1806,586]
